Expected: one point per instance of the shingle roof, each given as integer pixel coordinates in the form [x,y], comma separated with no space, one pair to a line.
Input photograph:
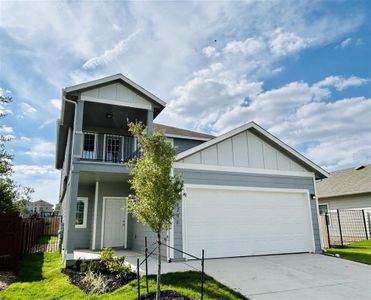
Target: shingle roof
[179,132]
[345,182]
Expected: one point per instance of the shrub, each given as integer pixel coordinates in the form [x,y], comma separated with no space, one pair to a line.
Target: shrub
[115,264]
[96,282]
[107,256]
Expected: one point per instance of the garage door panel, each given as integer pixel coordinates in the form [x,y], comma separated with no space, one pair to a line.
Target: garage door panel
[239,222]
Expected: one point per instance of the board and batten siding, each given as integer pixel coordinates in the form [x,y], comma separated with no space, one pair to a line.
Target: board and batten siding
[246,180]
[246,150]
[116,92]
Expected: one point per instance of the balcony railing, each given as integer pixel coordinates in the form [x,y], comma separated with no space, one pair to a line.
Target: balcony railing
[108,148]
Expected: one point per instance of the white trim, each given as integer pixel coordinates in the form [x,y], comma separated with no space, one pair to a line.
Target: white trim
[117,102]
[184,227]
[95,215]
[104,147]
[262,131]
[85,216]
[189,166]
[176,136]
[112,78]
[95,152]
[171,234]
[327,205]
[242,188]
[103,219]
[318,215]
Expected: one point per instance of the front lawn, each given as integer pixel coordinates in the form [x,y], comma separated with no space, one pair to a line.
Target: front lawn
[358,251]
[40,277]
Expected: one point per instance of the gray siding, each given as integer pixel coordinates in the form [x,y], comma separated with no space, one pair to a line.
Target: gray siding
[248,180]
[82,236]
[185,144]
[138,232]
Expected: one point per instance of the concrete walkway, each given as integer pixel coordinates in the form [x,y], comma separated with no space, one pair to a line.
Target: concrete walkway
[291,276]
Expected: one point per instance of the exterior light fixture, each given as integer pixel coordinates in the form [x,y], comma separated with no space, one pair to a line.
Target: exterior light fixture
[109,115]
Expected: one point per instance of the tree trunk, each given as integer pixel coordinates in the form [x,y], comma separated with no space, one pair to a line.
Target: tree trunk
[158,290]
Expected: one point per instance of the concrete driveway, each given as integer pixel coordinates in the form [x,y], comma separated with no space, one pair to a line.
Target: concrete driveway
[291,276]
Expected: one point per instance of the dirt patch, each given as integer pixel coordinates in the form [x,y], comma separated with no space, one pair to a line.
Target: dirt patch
[165,295]
[6,278]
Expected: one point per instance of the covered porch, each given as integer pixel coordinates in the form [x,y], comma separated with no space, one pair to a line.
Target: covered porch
[102,218]
[132,256]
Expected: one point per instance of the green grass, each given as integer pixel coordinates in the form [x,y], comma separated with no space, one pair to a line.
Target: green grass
[47,239]
[40,277]
[358,251]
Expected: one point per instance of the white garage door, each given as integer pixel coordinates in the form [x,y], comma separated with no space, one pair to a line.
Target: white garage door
[237,222]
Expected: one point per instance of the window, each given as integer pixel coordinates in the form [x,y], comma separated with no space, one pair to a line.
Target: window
[88,151]
[323,209]
[81,212]
[113,148]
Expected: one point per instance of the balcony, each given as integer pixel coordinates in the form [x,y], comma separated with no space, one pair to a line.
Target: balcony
[102,147]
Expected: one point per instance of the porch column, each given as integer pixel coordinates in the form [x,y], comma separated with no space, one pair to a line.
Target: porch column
[150,121]
[69,223]
[78,135]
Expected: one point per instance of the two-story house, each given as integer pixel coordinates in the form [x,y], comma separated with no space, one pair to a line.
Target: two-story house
[40,207]
[248,193]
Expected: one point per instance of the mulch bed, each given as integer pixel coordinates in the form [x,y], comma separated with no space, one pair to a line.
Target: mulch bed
[112,282]
[165,295]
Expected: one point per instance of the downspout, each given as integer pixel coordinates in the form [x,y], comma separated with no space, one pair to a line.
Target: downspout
[72,142]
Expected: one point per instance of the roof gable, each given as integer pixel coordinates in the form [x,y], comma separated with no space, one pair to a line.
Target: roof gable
[250,146]
[137,89]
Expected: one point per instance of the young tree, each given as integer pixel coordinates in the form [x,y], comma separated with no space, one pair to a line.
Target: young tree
[156,191]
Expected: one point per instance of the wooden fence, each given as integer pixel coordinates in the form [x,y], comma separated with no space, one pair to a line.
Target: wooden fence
[18,236]
[51,225]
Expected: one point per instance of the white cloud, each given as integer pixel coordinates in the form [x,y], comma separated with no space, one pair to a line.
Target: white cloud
[341,83]
[35,169]
[345,43]
[284,43]
[6,129]
[111,54]
[44,179]
[27,109]
[208,92]
[250,46]
[41,149]
[56,103]
[210,51]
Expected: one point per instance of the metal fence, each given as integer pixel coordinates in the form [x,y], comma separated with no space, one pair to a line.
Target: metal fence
[346,226]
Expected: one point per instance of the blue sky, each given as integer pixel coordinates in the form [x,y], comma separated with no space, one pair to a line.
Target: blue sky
[301,69]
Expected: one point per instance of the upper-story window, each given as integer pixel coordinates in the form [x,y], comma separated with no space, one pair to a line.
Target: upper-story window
[89,146]
[112,149]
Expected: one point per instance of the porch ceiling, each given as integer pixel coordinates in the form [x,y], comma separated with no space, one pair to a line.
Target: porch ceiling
[93,177]
[95,117]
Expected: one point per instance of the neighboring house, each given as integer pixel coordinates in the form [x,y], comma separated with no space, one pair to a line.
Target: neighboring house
[345,189]
[40,207]
[247,193]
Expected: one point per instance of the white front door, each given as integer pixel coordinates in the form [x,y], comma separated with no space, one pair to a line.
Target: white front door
[115,219]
